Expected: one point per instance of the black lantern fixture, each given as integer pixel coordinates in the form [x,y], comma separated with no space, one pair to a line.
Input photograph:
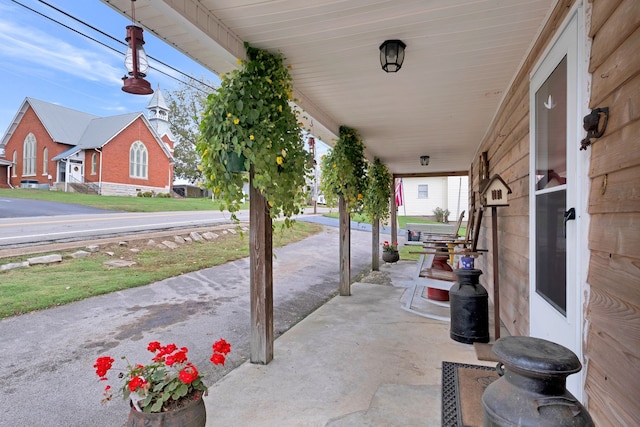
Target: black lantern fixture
[136,61]
[424,160]
[392,55]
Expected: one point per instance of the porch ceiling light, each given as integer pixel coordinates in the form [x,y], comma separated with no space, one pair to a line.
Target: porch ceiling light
[424,160]
[392,55]
[136,61]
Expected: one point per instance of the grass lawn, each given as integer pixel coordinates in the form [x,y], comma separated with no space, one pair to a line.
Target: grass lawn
[402,220]
[42,286]
[116,203]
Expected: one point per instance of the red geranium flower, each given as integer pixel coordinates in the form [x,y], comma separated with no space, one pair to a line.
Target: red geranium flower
[102,365]
[188,374]
[136,382]
[221,346]
[168,378]
[217,359]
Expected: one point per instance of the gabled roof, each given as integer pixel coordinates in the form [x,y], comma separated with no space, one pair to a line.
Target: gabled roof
[81,131]
[102,130]
[63,124]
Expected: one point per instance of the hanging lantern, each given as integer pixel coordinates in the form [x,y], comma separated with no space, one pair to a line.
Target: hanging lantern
[136,61]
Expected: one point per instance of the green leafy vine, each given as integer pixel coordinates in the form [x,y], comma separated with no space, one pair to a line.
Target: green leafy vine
[344,171]
[250,115]
[376,199]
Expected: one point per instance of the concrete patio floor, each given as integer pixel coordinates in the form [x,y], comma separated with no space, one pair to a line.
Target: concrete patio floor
[359,360]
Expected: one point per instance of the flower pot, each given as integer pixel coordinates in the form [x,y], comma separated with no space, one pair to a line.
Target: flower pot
[192,414]
[390,256]
[235,162]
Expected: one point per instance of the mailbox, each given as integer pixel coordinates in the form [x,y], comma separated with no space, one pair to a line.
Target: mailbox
[495,192]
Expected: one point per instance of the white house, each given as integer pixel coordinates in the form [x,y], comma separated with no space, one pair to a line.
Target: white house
[421,196]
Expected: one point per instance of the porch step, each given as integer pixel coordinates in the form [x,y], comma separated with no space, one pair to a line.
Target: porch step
[397,405]
[83,188]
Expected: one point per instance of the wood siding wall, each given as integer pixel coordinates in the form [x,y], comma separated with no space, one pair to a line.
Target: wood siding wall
[612,344]
[613,309]
[507,146]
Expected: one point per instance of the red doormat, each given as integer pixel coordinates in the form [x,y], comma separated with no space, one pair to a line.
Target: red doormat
[462,388]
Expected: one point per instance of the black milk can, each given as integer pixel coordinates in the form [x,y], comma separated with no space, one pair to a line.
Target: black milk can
[532,390]
[469,308]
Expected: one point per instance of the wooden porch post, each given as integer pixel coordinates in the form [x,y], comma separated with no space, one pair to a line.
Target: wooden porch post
[375,242]
[261,276]
[345,248]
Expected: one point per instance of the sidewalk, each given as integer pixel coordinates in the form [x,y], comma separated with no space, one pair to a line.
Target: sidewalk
[356,361]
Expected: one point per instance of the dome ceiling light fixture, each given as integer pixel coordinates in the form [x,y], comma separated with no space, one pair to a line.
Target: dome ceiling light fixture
[392,55]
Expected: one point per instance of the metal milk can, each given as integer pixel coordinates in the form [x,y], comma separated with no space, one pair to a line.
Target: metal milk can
[532,390]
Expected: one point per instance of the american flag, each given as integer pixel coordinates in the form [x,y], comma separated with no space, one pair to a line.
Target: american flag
[399,193]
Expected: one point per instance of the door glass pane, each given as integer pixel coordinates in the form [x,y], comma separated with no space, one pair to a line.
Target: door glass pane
[551,178]
[551,251]
[551,129]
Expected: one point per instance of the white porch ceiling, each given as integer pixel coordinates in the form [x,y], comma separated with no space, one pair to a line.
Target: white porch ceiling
[460,58]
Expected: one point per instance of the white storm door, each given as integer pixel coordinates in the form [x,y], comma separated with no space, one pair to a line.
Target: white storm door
[554,302]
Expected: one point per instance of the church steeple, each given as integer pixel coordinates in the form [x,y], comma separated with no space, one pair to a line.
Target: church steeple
[159,114]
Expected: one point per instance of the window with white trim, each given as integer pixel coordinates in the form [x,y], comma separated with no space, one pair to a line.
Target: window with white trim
[94,163]
[29,156]
[45,161]
[138,160]
[14,167]
[423,191]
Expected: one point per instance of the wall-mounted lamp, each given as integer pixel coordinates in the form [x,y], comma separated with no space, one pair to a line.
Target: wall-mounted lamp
[590,123]
[392,55]
[136,61]
[424,160]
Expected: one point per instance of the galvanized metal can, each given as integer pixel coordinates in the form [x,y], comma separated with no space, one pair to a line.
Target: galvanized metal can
[532,390]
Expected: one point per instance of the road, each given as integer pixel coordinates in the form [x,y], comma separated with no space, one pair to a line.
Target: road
[25,231]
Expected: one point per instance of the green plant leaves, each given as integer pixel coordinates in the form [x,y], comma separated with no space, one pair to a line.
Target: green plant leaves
[344,171]
[376,200]
[250,115]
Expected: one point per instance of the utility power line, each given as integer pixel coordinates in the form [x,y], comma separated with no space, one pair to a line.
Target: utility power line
[112,38]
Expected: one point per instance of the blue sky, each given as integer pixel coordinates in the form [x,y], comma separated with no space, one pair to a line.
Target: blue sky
[44,60]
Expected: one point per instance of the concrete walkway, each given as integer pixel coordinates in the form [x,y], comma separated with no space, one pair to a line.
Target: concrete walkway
[359,361]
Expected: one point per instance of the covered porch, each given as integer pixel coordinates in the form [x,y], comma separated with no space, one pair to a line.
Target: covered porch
[487,88]
[356,361]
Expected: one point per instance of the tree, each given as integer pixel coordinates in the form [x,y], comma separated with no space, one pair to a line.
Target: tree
[187,103]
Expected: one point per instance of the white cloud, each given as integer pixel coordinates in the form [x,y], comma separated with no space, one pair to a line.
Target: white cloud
[41,52]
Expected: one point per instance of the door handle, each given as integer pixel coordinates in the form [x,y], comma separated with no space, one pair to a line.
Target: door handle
[568,215]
